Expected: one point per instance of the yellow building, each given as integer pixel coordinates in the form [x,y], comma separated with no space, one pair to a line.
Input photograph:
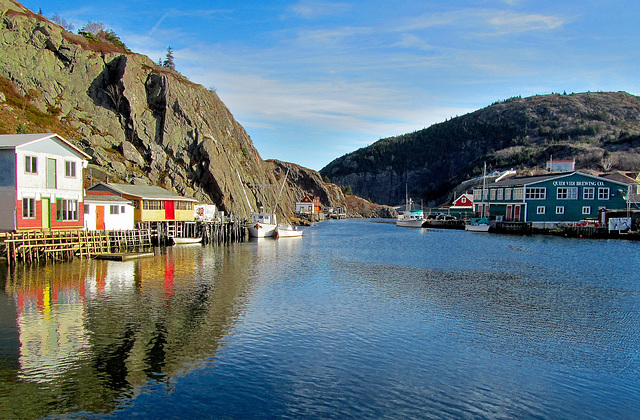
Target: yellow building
[151,203]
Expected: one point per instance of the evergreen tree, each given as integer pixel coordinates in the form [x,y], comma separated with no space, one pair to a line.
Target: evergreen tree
[168,61]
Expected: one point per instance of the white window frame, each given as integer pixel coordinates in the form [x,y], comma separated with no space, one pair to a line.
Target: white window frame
[536,193]
[31,164]
[492,194]
[28,208]
[69,169]
[114,209]
[586,209]
[567,193]
[541,210]
[589,193]
[507,193]
[603,193]
[559,209]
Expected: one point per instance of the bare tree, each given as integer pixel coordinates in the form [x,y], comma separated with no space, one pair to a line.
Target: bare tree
[59,20]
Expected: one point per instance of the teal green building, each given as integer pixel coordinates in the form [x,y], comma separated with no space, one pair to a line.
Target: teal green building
[550,199]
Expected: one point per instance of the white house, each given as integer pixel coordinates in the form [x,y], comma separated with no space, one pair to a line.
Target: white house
[107,212]
[41,182]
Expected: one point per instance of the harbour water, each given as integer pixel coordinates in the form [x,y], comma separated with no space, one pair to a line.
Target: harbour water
[357,319]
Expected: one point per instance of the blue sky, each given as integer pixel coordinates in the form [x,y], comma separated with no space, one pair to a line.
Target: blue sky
[313,80]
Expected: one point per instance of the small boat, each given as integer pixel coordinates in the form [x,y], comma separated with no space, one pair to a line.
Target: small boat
[262,225]
[287,231]
[183,241]
[410,218]
[478,225]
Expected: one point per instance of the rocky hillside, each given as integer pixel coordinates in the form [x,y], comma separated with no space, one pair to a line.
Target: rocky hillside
[140,122]
[601,131]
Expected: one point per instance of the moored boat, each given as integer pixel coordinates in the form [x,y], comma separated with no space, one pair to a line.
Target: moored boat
[287,231]
[410,218]
[478,225]
[190,240]
[262,225]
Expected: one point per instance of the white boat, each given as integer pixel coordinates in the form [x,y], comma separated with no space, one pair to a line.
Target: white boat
[182,241]
[287,231]
[263,225]
[410,218]
[478,225]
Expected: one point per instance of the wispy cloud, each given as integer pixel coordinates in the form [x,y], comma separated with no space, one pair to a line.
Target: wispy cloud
[314,9]
[511,22]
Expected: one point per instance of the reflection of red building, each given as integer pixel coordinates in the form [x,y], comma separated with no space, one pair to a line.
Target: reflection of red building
[50,318]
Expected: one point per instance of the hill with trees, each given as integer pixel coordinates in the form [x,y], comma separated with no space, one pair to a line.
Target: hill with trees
[600,130]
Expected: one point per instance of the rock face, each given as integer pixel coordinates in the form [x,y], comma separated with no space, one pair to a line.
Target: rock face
[143,123]
[600,130]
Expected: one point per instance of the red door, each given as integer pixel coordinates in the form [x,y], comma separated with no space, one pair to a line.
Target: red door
[169,213]
[100,217]
[517,215]
[508,215]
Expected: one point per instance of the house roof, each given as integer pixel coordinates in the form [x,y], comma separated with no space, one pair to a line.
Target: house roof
[528,180]
[511,182]
[147,192]
[13,141]
[627,178]
[112,199]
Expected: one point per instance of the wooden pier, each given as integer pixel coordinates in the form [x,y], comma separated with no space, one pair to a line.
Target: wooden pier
[65,245]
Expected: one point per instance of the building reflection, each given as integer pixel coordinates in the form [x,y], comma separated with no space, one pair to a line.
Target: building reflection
[111,327]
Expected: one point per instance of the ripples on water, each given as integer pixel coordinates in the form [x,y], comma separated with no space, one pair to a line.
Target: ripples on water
[356,319]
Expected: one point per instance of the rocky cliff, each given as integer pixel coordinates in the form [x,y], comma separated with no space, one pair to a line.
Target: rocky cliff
[140,122]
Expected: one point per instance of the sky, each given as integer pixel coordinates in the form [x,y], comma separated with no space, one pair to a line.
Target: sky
[312,80]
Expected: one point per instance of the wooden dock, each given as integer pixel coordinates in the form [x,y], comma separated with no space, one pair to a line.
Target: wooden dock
[65,245]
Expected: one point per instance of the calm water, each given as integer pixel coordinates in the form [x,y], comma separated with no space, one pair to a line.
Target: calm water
[357,319]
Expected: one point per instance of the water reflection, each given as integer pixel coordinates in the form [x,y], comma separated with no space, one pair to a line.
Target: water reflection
[90,333]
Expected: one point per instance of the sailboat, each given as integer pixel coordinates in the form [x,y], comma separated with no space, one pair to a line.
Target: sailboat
[481,224]
[410,218]
[264,224]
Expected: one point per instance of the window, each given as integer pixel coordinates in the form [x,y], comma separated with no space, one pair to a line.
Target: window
[114,209]
[477,195]
[603,193]
[70,169]
[539,193]
[570,193]
[586,210]
[492,194]
[559,209]
[518,193]
[29,208]
[184,205]
[86,209]
[507,194]
[66,210]
[31,164]
[588,193]
[542,209]
[153,205]
[500,194]
[122,209]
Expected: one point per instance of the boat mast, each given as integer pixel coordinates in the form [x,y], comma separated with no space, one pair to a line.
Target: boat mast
[280,193]
[244,191]
[484,186]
